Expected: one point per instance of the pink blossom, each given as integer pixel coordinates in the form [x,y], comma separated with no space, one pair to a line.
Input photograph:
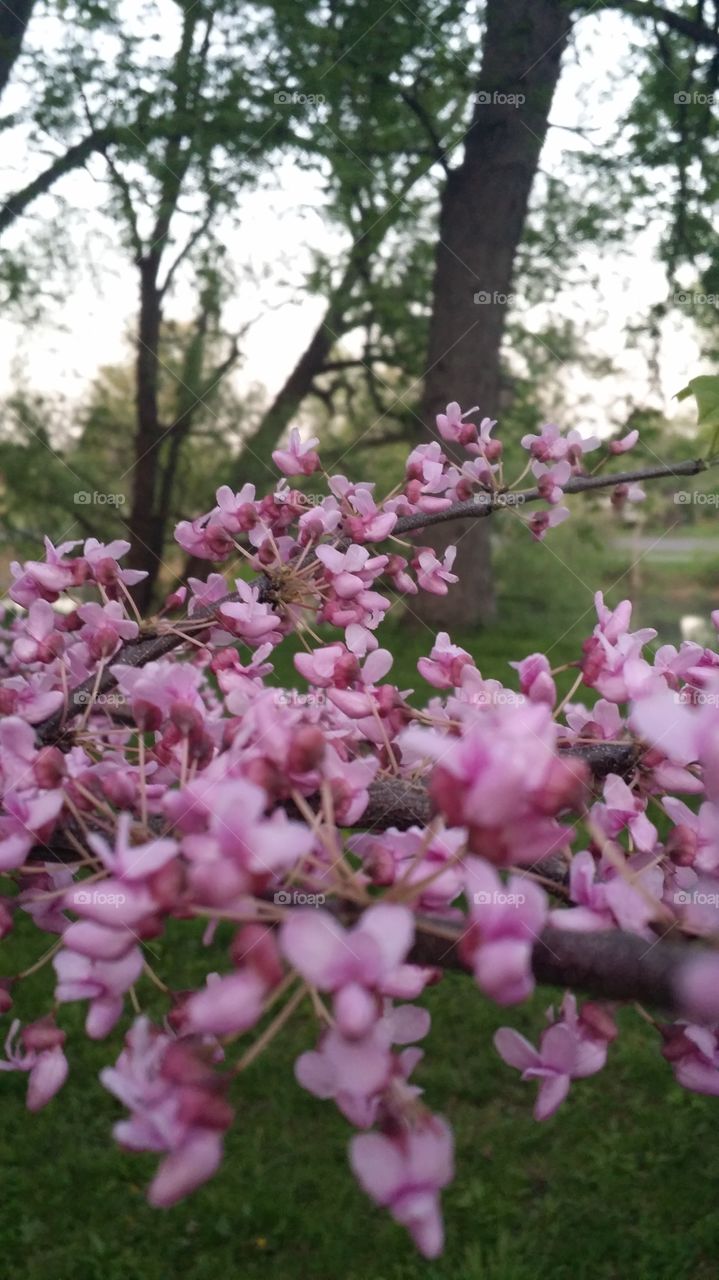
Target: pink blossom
[570,1049]
[205,538]
[175,1107]
[249,619]
[610,899]
[602,721]
[205,594]
[350,571]
[299,459]
[434,865]
[405,1173]
[355,964]
[39,641]
[358,1073]
[452,427]
[444,667]
[227,1005]
[27,820]
[535,679]
[33,697]
[622,809]
[506,921]
[155,689]
[106,626]
[132,861]
[46,579]
[102,982]
[102,562]
[625,444]
[694,840]
[541,521]
[259,844]
[42,1056]
[551,446]
[550,480]
[502,780]
[693,1053]
[548,446]
[236,512]
[434,575]
[623,493]
[369,524]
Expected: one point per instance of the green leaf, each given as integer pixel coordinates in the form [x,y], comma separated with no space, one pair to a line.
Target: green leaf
[706,393]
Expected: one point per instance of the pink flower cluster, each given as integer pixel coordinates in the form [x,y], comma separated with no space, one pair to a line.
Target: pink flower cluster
[350,834]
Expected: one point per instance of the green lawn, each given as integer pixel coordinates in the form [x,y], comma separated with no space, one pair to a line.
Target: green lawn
[620,1185]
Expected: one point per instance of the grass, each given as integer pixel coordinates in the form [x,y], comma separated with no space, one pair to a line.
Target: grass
[621,1183]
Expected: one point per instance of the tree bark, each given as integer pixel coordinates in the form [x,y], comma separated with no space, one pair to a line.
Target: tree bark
[144,524]
[482,217]
[13,26]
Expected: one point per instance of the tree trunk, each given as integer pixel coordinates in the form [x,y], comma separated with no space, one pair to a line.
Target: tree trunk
[13,25]
[254,465]
[482,216]
[144,525]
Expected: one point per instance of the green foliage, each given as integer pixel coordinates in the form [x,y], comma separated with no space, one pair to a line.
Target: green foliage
[706,393]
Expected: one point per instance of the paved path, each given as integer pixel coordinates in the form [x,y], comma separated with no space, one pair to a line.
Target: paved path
[669,545]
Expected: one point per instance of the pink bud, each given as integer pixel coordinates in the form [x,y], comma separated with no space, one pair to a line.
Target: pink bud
[599,1020]
[49,767]
[42,1035]
[307,749]
[255,945]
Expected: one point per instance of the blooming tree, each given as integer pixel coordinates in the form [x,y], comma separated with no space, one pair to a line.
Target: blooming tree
[357,843]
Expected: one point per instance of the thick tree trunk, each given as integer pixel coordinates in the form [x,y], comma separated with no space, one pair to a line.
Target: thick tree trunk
[13,25]
[482,216]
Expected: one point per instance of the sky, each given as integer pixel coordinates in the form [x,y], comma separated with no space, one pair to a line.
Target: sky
[90,326]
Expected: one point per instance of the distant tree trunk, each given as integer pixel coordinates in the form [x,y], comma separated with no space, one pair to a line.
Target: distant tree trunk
[144,525]
[482,216]
[13,25]
[254,464]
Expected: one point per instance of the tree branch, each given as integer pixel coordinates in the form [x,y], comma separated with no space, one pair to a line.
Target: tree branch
[485,504]
[611,965]
[16,204]
[699,32]
[154,645]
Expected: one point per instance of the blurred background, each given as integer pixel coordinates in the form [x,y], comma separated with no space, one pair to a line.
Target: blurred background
[221,220]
